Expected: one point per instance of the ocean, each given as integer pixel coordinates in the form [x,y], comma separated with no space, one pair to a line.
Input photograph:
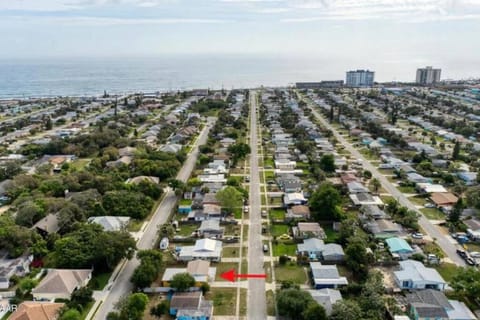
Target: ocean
[87,77]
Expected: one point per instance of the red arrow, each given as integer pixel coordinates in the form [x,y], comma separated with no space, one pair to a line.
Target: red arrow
[230,275]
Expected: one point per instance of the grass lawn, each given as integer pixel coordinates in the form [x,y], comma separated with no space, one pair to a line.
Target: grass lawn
[332,235]
[187,229]
[290,272]
[447,270]
[99,281]
[224,267]
[243,302]
[79,164]
[277,214]
[275,201]
[269,175]
[232,229]
[134,225]
[433,213]
[278,229]
[230,252]
[224,300]
[386,198]
[270,303]
[281,249]
[303,165]
[269,162]
[405,189]
[245,232]
[237,213]
[419,201]
[185,202]
[386,171]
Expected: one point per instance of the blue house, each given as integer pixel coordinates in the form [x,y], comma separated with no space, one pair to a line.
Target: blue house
[398,246]
[186,209]
[190,306]
[470,178]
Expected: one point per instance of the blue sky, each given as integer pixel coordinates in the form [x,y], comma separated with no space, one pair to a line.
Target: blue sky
[358,32]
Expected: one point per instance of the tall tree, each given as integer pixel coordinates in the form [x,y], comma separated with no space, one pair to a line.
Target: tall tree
[182,281]
[456,151]
[292,302]
[327,163]
[325,202]
[230,198]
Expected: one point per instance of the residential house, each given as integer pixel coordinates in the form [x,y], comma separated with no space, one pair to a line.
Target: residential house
[383,228]
[171,148]
[305,230]
[110,223]
[219,178]
[284,164]
[433,304]
[365,199]
[326,298]
[294,198]
[200,270]
[139,179]
[443,199]
[326,276]
[34,310]
[316,249]
[212,211]
[470,178]
[300,212]
[357,187]
[414,275]
[373,212]
[473,230]
[122,161]
[190,306]
[427,188]
[210,198]
[417,178]
[204,249]
[60,284]
[47,225]
[127,151]
[211,229]
[348,177]
[399,247]
[9,267]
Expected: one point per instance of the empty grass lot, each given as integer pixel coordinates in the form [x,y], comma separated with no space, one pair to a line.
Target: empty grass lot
[433,213]
[281,249]
[279,229]
[231,252]
[291,272]
[277,214]
[224,300]
[224,267]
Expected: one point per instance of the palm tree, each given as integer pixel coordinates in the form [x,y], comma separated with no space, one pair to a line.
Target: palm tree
[376,184]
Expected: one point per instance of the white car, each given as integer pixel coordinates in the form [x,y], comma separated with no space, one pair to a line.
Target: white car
[245,209]
[429,205]
[417,235]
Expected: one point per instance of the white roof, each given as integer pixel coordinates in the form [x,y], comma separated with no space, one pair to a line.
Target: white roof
[430,188]
[110,223]
[205,245]
[416,271]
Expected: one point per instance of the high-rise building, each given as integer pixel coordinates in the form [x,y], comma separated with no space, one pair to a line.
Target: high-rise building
[428,75]
[360,78]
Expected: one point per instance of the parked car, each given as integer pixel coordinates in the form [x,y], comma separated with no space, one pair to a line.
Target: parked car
[265,248]
[470,261]
[245,209]
[475,254]
[417,235]
[462,253]
[429,205]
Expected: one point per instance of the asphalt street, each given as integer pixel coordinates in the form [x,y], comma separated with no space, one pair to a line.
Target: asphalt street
[256,299]
[121,286]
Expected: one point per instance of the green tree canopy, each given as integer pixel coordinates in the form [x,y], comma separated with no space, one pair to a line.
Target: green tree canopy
[182,281]
[127,203]
[230,198]
[292,303]
[327,163]
[325,202]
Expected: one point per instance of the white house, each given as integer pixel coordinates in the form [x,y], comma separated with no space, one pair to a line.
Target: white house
[414,275]
[204,249]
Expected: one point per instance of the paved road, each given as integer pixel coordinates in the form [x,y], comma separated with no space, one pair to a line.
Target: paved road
[427,226]
[256,299]
[122,286]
